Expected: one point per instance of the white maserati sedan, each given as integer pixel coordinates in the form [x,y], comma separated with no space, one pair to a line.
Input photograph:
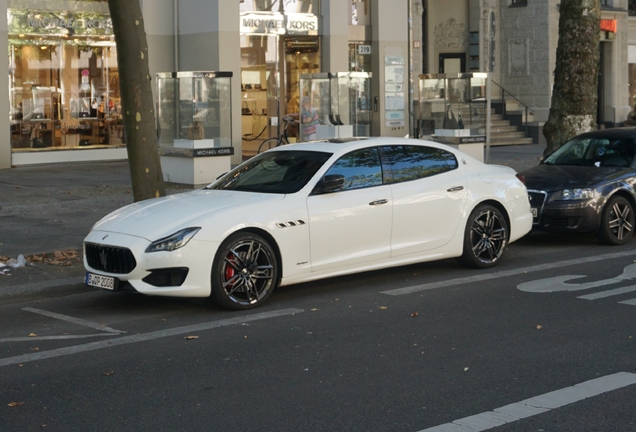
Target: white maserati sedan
[307,211]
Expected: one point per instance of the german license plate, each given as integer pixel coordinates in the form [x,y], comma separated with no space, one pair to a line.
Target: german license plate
[104,282]
[535,212]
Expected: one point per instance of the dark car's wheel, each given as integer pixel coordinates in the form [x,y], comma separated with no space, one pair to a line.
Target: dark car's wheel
[617,222]
[485,237]
[244,272]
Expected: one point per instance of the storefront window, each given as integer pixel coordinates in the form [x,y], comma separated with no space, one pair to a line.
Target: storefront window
[64,81]
[279,42]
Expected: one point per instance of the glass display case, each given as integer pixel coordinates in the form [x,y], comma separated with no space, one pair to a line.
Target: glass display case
[195,109]
[453,107]
[335,105]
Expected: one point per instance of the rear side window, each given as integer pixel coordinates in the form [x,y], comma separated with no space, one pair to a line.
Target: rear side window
[412,162]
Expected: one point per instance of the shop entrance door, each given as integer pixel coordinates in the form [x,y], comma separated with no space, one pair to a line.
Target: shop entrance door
[360,57]
[302,56]
[259,89]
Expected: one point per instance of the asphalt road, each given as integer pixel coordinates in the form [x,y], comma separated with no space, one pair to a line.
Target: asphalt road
[424,346]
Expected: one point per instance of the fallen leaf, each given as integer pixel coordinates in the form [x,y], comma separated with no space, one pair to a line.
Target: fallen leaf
[539,327]
[191,337]
[15,404]
[465,369]
[314,309]
[109,373]
[35,349]
[414,314]
[32,335]
[382,308]
[244,337]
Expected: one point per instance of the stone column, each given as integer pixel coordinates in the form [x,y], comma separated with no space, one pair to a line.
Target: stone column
[5,128]
[335,35]
[390,41]
[209,39]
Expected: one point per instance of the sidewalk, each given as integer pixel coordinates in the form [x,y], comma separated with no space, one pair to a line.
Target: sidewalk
[46,209]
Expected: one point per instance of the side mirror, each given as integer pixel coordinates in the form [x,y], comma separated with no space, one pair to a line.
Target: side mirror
[329,183]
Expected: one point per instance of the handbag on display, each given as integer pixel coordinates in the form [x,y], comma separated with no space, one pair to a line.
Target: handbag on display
[245,110]
[196,131]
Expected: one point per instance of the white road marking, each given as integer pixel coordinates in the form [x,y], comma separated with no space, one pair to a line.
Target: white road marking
[609,293]
[631,302]
[538,404]
[63,337]
[144,337]
[73,320]
[558,283]
[506,273]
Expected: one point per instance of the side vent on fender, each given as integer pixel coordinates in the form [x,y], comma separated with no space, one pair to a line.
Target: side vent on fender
[290,224]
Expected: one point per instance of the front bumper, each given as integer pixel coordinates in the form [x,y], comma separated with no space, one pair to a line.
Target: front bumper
[193,261]
[567,216]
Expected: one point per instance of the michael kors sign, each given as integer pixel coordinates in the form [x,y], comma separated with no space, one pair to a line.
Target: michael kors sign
[302,24]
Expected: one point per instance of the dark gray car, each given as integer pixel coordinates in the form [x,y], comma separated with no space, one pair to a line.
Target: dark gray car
[587,185]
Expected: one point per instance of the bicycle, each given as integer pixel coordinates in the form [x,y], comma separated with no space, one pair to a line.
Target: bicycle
[282,139]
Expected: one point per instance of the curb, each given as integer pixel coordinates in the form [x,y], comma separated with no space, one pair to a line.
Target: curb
[51,288]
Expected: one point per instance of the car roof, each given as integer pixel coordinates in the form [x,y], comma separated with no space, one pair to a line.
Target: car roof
[345,145]
[623,132]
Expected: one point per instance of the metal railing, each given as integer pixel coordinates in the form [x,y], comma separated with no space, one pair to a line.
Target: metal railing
[503,102]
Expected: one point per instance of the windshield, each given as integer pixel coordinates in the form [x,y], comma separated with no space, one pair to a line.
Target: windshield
[279,172]
[594,151]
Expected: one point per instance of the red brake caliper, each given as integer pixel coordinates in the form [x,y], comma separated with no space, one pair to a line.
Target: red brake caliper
[229,270]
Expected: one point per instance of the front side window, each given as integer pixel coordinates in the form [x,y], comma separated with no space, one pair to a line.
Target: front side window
[412,162]
[279,172]
[360,168]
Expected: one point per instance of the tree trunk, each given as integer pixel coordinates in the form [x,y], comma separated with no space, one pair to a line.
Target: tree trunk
[137,102]
[575,93]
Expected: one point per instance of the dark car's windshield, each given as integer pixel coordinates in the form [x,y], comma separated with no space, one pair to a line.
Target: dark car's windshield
[594,151]
[273,172]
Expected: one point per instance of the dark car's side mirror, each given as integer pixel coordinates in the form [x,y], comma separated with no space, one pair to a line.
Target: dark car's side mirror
[329,183]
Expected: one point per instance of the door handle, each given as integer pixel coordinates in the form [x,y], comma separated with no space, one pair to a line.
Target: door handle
[379,202]
[455,189]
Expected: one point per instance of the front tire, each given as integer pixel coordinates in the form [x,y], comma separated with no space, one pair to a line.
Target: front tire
[617,222]
[485,237]
[244,272]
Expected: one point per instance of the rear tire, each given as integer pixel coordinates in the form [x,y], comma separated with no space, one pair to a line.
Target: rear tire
[485,237]
[268,144]
[244,272]
[617,222]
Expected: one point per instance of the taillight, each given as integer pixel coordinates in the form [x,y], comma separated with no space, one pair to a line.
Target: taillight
[522,178]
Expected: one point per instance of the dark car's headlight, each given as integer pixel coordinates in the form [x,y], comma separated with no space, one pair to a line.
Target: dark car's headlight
[575,194]
[174,241]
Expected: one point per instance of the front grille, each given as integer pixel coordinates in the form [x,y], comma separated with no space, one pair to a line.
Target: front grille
[537,199]
[110,259]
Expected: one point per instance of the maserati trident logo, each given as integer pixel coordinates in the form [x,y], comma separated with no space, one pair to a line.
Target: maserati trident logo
[103,258]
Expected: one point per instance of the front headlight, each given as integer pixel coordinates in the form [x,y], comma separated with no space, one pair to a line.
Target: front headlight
[575,194]
[174,241]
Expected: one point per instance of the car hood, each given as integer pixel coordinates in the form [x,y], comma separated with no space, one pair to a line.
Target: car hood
[556,177]
[159,217]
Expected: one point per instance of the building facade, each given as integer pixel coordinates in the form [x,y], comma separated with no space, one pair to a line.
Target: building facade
[62,95]
[516,41]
